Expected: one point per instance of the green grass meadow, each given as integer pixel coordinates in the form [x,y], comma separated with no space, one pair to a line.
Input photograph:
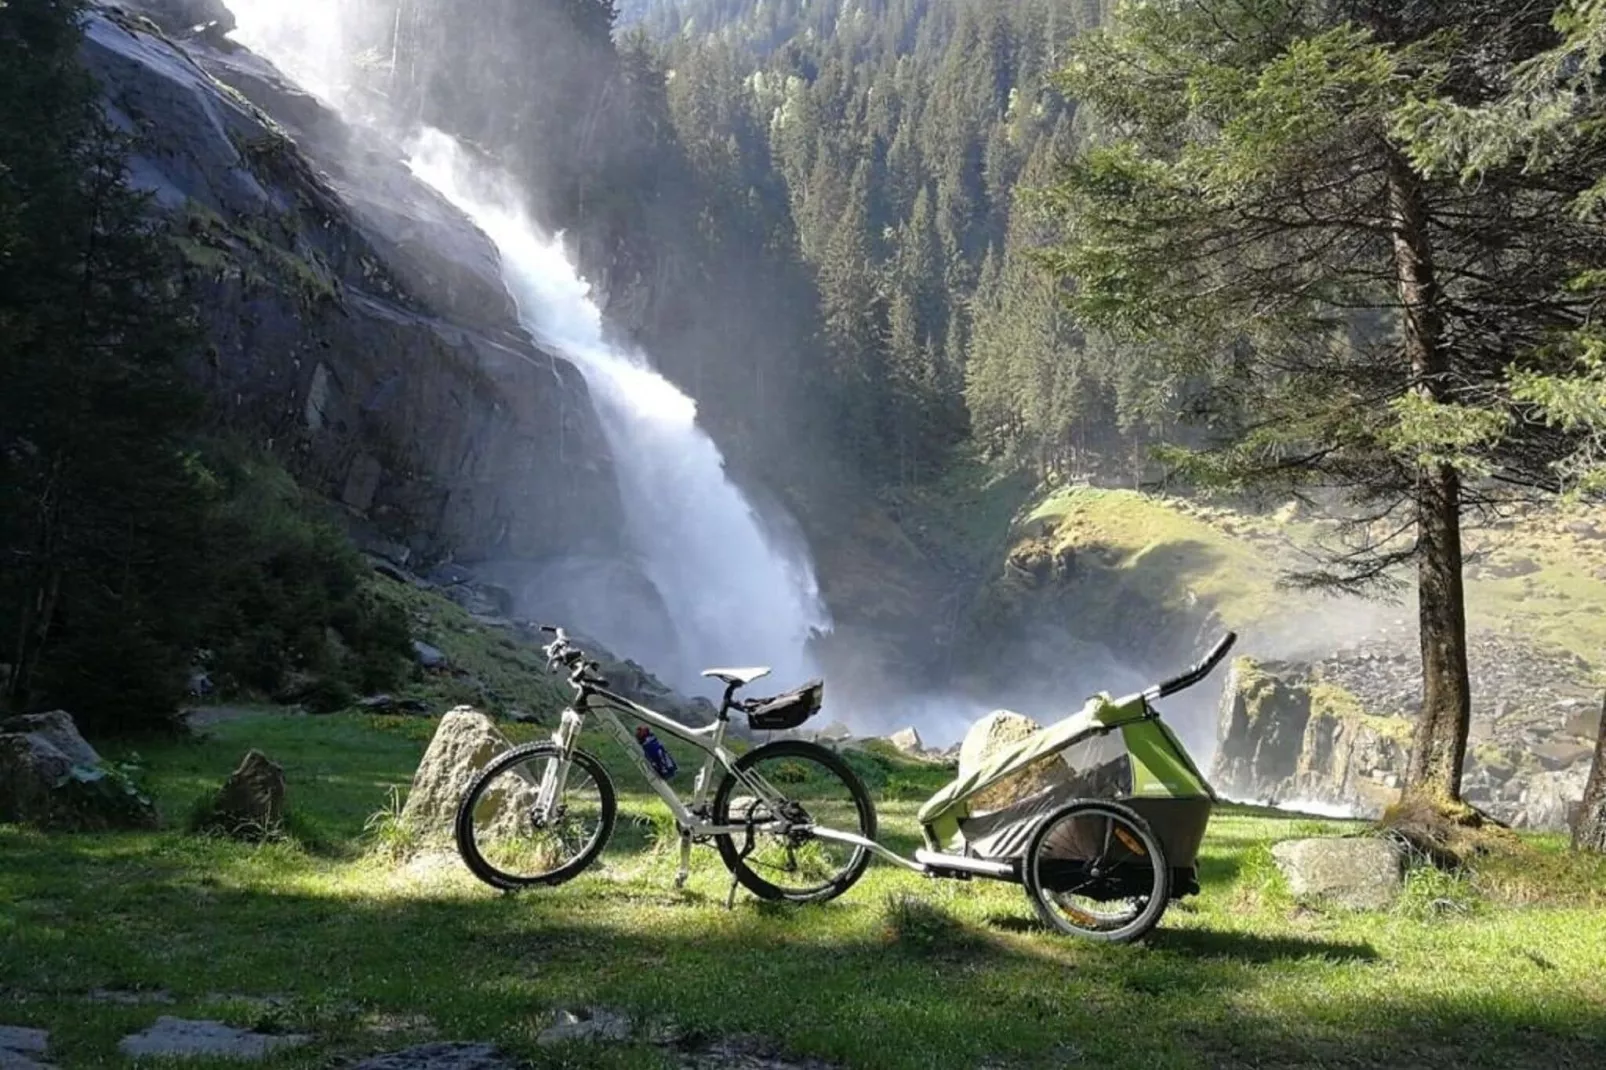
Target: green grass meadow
[323,935]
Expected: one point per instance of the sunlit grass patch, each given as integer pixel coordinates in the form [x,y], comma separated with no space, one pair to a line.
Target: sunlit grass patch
[367,953]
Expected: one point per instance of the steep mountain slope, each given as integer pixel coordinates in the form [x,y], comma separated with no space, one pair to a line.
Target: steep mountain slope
[358,323]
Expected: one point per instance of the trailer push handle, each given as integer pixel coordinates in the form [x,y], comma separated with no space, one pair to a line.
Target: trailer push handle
[1198,672]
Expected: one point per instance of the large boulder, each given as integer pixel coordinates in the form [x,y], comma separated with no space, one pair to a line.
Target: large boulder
[464,743]
[51,777]
[996,732]
[251,801]
[1362,872]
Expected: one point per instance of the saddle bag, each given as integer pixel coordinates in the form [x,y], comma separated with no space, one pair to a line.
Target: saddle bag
[788,710]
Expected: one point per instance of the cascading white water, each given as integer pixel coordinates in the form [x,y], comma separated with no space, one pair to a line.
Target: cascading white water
[733,596]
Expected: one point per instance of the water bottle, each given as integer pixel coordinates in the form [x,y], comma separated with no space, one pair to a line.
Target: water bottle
[659,758]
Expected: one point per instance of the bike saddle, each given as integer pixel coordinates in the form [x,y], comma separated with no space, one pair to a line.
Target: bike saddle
[740,677]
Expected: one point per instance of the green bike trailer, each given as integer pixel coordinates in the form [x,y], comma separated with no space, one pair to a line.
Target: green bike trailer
[1110,750]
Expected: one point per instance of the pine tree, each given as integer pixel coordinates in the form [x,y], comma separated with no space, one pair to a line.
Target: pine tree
[1236,242]
[100,517]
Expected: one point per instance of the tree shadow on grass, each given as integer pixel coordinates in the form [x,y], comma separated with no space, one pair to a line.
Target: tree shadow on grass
[895,981]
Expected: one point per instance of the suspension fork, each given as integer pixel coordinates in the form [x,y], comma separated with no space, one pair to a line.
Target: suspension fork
[557,770]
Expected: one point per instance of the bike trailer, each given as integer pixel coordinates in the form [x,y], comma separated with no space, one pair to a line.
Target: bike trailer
[1116,751]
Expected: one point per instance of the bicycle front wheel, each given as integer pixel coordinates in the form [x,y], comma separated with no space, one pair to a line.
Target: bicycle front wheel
[812,786]
[510,840]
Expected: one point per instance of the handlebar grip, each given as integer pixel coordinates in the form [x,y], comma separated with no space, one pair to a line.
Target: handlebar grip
[1201,670]
[549,628]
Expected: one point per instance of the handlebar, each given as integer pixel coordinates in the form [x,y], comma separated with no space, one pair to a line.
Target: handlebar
[560,652]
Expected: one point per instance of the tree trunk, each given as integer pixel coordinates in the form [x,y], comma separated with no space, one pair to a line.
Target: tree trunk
[1440,746]
[1589,831]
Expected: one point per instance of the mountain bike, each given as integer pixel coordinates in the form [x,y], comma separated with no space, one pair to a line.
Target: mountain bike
[541,813]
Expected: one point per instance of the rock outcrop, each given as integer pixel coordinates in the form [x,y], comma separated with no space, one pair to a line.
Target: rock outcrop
[1338,732]
[357,321]
[51,777]
[464,743]
[1285,735]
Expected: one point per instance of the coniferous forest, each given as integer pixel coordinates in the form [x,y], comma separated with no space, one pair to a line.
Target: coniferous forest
[1345,251]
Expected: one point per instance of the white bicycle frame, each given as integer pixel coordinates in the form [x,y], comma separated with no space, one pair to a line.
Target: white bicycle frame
[710,740]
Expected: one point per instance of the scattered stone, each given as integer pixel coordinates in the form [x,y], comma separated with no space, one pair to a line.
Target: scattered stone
[19,1047]
[188,1038]
[251,801]
[441,1056]
[590,1023]
[387,1024]
[1364,872]
[1551,799]
[51,777]
[907,741]
[1555,755]
[429,657]
[996,732]
[392,704]
[464,742]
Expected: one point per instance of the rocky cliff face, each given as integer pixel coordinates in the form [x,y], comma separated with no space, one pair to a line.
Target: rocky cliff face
[357,322]
[1338,731]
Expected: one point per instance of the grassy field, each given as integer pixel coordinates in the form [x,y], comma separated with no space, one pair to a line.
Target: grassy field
[320,935]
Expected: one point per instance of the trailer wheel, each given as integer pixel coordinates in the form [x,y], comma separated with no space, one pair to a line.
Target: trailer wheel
[1095,869]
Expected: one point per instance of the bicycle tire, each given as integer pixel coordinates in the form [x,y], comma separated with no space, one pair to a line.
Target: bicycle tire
[463,827]
[1159,895]
[731,855]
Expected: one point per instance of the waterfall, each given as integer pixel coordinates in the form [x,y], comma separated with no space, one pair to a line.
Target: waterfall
[732,593]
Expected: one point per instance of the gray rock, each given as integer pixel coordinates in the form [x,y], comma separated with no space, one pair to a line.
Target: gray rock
[57,729]
[22,1048]
[464,743]
[252,799]
[998,731]
[51,778]
[590,1023]
[1550,800]
[441,1056]
[1360,872]
[429,657]
[188,1038]
[907,741]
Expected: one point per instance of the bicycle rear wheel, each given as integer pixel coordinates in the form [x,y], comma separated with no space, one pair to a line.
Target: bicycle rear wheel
[816,787]
[505,839]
